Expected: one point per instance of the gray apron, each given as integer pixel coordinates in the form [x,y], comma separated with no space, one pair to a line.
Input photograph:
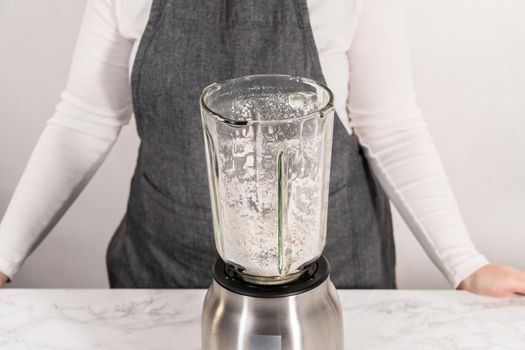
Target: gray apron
[165,239]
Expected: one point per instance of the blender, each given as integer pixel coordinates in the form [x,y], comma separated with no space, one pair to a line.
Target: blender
[268,145]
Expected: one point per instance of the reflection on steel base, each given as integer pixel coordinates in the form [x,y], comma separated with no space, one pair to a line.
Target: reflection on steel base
[305,321]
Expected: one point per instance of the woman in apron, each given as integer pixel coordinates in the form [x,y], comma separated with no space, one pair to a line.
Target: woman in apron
[172,49]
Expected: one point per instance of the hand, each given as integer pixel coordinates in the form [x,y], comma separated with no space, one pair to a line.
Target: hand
[495,281]
[3,279]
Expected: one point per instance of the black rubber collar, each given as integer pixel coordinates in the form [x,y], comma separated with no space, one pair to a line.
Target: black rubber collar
[316,274]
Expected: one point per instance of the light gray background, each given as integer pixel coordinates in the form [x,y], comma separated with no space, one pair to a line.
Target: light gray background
[468,59]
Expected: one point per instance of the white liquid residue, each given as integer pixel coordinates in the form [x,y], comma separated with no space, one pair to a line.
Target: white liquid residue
[248,195]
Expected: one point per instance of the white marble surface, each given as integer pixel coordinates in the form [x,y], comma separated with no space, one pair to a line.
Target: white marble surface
[170,319]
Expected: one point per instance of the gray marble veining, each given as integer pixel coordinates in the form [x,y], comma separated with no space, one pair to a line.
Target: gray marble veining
[170,319]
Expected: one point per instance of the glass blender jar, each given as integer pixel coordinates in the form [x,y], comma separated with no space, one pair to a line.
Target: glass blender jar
[268,149]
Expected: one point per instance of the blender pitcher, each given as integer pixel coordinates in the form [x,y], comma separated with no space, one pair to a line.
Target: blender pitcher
[268,149]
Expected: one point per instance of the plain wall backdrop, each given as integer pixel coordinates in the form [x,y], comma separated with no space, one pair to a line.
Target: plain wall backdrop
[469,71]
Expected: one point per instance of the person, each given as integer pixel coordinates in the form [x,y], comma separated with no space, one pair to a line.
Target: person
[152,58]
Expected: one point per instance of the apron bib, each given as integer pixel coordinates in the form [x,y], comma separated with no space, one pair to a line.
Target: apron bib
[165,240]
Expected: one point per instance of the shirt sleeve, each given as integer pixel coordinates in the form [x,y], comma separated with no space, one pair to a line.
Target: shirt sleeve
[384,115]
[76,139]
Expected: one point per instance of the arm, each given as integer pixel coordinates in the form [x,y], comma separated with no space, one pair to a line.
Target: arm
[399,148]
[77,138]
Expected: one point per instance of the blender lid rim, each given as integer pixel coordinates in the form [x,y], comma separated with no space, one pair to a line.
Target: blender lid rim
[321,112]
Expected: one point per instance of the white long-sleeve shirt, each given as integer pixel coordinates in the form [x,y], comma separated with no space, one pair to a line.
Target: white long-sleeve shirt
[364,56]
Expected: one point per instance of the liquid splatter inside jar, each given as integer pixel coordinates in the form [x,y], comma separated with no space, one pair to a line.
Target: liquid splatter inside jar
[254,234]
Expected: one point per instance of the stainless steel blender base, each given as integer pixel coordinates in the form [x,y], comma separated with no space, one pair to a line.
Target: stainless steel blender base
[307,317]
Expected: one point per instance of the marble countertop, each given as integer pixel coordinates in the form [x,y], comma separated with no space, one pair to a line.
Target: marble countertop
[170,319]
